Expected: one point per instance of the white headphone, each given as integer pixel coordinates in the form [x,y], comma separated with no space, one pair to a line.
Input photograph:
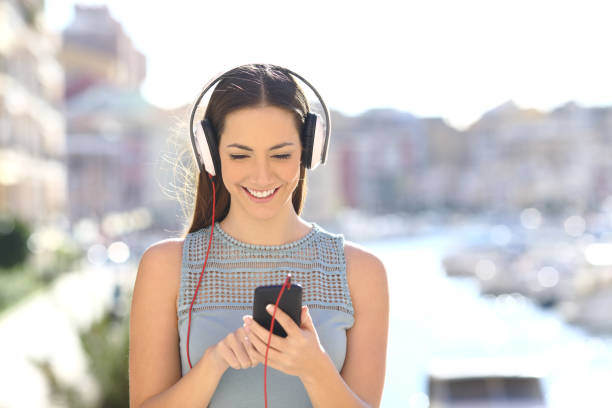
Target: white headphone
[315,139]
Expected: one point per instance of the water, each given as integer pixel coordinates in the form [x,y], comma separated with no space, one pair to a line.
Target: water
[433,316]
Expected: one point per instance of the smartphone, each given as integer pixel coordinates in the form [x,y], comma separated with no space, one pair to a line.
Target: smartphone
[290,303]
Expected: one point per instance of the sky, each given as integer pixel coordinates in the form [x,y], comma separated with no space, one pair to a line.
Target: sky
[450,59]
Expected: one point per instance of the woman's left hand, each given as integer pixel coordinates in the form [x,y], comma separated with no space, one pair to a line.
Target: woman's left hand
[299,354]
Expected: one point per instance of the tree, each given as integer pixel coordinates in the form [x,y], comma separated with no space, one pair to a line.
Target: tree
[14,235]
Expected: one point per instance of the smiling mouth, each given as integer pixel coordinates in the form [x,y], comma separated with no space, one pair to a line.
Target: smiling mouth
[254,196]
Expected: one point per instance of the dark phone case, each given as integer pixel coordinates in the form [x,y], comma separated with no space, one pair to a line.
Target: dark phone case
[290,303]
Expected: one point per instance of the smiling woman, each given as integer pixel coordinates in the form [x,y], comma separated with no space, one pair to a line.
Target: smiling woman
[188,343]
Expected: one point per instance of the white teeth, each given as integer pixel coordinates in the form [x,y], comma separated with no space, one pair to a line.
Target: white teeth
[262,194]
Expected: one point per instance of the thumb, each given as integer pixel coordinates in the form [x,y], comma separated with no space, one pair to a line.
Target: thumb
[306,318]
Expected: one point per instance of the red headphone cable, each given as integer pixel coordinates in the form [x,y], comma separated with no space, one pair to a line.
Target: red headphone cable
[288,284]
[204,266]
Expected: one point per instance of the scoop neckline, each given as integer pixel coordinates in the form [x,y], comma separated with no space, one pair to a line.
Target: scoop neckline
[287,245]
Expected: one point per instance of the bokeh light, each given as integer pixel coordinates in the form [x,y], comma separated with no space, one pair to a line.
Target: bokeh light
[85,231]
[485,269]
[97,254]
[548,277]
[575,225]
[599,254]
[118,252]
[531,218]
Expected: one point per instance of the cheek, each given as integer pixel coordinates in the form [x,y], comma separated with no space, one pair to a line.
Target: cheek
[291,171]
[231,174]
[294,179]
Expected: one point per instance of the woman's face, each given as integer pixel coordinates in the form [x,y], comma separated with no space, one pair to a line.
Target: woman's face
[260,150]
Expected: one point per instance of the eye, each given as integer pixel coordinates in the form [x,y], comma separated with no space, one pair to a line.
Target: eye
[242,156]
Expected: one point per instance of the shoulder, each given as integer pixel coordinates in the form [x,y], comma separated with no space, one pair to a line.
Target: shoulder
[362,260]
[365,271]
[164,252]
[160,266]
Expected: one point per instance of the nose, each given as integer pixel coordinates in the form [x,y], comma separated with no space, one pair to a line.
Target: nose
[262,173]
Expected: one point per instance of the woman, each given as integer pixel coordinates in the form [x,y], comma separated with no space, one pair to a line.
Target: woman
[336,357]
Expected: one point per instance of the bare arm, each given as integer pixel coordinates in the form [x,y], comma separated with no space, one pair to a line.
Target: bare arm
[365,363]
[155,369]
[195,389]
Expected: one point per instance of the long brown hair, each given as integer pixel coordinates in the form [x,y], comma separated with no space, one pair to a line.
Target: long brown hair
[251,85]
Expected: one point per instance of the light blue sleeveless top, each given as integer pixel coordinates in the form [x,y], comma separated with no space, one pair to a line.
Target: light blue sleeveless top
[233,271]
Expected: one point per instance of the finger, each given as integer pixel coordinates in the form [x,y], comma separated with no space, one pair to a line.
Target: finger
[261,357]
[240,352]
[251,351]
[255,354]
[232,351]
[284,319]
[228,355]
[261,346]
[262,333]
[248,346]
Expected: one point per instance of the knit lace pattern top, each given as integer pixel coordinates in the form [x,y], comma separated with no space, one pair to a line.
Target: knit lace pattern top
[233,270]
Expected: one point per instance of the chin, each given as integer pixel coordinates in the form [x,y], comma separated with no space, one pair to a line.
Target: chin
[264,211]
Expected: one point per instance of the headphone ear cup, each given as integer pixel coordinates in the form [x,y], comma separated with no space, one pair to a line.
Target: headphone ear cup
[308,133]
[212,160]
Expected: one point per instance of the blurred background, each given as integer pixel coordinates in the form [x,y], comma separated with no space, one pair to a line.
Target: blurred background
[471,146]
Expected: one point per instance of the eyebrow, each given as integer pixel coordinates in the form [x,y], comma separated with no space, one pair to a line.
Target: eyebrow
[278,146]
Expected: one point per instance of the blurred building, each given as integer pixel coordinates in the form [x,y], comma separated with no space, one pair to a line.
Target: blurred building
[523,157]
[602,172]
[382,155]
[32,127]
[121,149]
[448,153]
[511,158]
[97,51]
[107,150]
[110,132]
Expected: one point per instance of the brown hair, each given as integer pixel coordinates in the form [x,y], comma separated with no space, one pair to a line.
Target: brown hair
[252,85]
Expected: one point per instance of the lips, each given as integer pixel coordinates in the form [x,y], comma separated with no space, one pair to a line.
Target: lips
[260,190]
[260,198]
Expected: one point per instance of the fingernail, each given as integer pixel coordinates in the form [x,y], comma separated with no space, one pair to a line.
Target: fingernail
[270,307]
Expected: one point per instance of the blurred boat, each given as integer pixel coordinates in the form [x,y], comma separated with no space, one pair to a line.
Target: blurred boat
[543,272]
[490,264]
[489,382]
[572,276]
[465,261]
[592,310]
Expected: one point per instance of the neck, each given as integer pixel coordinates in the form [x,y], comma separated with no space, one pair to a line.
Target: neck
[284,227]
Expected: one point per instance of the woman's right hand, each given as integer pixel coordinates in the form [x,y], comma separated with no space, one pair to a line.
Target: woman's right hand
[236,351]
